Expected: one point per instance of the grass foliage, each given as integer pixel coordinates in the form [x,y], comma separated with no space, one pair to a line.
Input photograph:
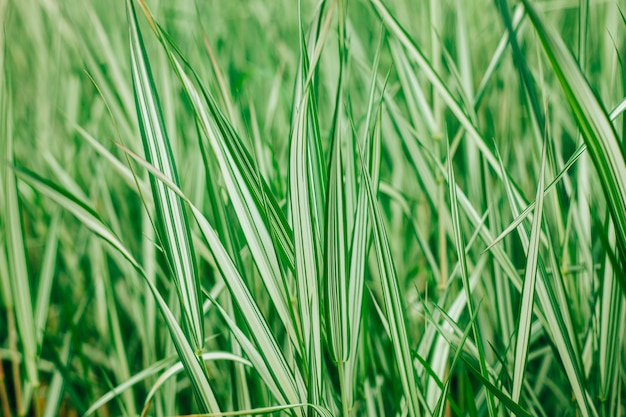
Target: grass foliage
[334,208]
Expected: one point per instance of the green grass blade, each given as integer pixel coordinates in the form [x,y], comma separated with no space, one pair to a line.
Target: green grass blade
[230,144]
[431,74]
[598,132]
[528,289]
[611,322]
[249,199]
[178,367]
[270,353]
[89,218]
[460,248]
[46,276]
[172,219]
[554,314]
[16,251]
[306,202]
[392,300]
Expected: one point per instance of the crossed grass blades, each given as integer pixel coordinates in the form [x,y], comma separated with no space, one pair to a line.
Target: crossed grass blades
[361,208]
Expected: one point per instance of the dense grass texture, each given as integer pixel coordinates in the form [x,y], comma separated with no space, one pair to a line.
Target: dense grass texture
[313,208]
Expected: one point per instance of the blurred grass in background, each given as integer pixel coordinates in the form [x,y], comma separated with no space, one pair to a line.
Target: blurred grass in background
[334,208]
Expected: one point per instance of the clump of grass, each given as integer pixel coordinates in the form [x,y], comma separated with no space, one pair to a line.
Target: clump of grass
[358,208]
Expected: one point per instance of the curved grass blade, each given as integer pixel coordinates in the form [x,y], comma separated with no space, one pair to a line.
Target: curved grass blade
[596,128]
[554,314]
[321,411]
[270,356]
[178,366]
[431,74]
[230,143]
[250,198]
[171,215]
[92,221]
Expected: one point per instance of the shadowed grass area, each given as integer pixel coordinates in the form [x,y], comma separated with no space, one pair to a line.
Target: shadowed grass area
[335,208]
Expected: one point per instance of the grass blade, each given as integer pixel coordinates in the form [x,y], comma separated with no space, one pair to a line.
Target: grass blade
[92,221]
[16,252]
[528,289]
[598,132]
[392,300]
[172,219]
[460,248]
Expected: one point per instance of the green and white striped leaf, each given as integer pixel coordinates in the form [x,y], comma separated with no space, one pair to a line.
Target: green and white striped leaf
[16,251]
[603,143]
[528,290]
[89,218]
[171,215]
[270,357]
[392,300]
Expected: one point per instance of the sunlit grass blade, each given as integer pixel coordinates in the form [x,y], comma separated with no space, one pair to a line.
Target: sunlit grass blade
[277,378]
[231,147]
[603,143]
[112,328]
[307,193]
[611,323]
[46,276]
[171,215]
[418,56]
[335,283]
[90,219]
[306,240]
[146,373]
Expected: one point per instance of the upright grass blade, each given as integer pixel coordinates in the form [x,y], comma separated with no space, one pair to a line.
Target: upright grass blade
[599,134]
[172,219]
[231,147]
[528,289]
[336,255]
[89,218]
[434,77]
[460,248]
[306,242]
[392,300]
[611,313]
[46,276]
[285,383]
[307,183]
[251,202]
[16,252]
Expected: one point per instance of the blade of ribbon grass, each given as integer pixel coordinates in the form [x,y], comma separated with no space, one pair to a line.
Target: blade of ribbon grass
[251,201]
[598,132]
[171,215]
[230,144]
[270,356]
[528,289]
[89,218]
[16,251]
[307,196]
[392,299]
[554,313]
[460,248]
